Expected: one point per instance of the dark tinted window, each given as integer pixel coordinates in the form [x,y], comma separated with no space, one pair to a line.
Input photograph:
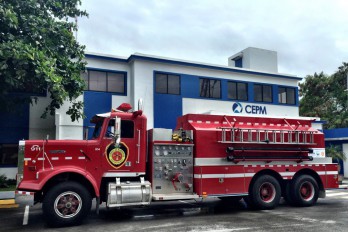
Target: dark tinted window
[263,93]
[210,88]
[167,84]
[8,154]
[105,81]
[116,82]
[286,95]
[97,81]
[237,91]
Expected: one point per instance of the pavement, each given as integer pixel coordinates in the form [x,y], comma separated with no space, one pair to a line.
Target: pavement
[344,183]
[7,197]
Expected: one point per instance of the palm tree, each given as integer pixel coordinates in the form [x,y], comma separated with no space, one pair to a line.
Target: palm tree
[336,153]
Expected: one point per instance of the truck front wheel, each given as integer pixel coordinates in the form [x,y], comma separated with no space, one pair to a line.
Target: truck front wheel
[66,203]
[265,192]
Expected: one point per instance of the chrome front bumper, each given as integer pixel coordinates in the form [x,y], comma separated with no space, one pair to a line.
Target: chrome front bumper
[24,198]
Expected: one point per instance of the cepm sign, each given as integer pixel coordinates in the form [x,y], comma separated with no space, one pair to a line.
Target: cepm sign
[237,108]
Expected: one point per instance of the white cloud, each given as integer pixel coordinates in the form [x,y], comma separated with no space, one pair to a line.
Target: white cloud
[309,36]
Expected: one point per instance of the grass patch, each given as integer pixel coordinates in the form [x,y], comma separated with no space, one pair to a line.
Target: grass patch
[10,188]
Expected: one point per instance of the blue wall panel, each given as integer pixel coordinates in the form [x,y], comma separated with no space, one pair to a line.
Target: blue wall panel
[167,107]
[190,86]
[95,103]
[14,126]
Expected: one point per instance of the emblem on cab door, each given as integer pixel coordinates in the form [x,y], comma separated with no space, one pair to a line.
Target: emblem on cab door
[117,156]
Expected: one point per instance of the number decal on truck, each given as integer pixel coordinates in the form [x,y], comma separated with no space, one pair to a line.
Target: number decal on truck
[116,156]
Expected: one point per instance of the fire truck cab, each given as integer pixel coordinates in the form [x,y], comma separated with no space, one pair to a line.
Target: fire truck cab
[123,164]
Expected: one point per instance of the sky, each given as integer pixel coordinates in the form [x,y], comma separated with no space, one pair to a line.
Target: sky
[309,35]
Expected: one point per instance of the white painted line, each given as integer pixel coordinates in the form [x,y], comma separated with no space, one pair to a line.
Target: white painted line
[230,229]
[335,194]
[144,216]
[26,215]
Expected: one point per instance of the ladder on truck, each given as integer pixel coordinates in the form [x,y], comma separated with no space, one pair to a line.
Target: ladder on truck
[278,136]
[268,136]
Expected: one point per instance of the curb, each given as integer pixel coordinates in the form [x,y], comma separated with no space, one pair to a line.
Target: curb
[7,200]
[7,204]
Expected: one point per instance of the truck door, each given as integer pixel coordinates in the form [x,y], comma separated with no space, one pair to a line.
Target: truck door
[121,160]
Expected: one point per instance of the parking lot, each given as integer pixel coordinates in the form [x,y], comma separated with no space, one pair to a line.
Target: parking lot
[330,214]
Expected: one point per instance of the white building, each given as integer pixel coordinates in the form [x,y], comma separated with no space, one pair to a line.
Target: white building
[249,85]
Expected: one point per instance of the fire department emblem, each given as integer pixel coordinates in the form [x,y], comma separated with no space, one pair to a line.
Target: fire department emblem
[117,156]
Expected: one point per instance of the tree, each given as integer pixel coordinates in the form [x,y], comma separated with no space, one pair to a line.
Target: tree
[326,97]
[38,53]
[338,89]
[315,101]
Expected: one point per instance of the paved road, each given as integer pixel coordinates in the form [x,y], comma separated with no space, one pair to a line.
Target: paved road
[330,214]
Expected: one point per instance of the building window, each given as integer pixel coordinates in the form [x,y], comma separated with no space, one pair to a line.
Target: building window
[238,62]
[237,91]
[8,154]
[210,88]
[102,81]
[286,95]
[167,83]
[263,93]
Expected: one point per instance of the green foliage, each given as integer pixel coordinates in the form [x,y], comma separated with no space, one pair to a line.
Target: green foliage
[39,53]
[6,183]
[326,97]
[335,152]
[3,179]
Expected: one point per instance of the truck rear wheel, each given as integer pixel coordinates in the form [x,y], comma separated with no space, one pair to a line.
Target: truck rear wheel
[265,192]
[66,203]
[304,191]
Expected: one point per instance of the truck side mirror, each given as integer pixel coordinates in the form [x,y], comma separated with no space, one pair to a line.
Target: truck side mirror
[117,131]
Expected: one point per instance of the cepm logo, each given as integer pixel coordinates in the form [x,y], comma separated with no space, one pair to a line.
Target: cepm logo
[248,109]
[237,108]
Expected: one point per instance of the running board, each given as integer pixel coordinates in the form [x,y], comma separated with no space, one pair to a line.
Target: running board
[172,197]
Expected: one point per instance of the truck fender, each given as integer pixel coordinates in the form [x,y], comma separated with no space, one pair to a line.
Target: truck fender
[80,171]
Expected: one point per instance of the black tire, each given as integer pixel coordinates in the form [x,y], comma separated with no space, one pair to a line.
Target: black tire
[66,203]
[304,191]
[265,192]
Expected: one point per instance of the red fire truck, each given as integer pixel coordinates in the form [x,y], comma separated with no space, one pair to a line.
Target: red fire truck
[226,157]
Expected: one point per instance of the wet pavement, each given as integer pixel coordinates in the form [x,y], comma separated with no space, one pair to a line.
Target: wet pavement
[330,214]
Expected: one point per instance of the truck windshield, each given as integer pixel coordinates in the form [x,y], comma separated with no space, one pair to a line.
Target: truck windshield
[98,123]
[127,128]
